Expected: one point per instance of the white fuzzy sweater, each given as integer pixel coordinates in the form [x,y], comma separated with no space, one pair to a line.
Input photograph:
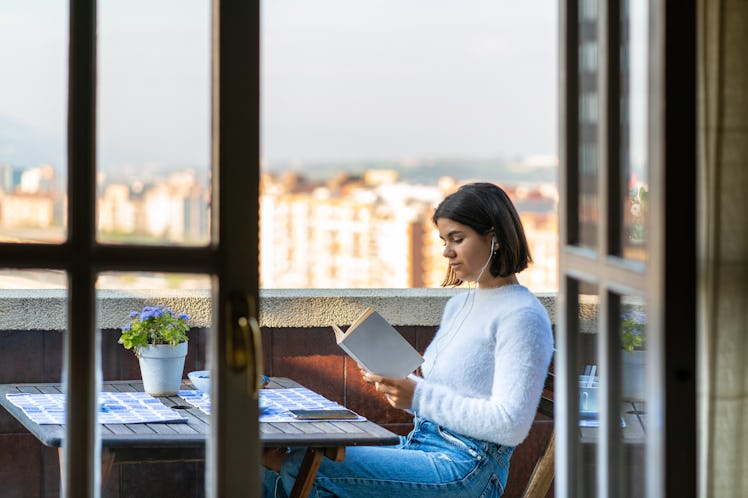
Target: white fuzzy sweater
[484,371]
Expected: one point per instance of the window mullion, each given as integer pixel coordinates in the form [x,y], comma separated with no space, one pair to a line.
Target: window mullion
[609,129]
[80,447]
[569,123]
[567,462]
[610,145]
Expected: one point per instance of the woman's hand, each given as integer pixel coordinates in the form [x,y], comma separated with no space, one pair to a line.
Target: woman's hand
[398,392]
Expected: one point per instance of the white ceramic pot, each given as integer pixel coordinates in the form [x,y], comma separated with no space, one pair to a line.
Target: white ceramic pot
[634,375]
[162,367]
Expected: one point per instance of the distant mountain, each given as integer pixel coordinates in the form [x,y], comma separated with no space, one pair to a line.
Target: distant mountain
[429,171]
[23,145]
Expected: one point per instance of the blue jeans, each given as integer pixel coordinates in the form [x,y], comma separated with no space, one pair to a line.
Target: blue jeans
[429,462]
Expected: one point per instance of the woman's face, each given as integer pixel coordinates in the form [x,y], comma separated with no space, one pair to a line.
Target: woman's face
[466,250]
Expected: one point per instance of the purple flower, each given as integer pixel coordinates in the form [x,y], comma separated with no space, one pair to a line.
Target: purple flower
[154,325]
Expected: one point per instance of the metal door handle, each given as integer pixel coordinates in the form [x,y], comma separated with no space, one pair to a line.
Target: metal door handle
[244,341]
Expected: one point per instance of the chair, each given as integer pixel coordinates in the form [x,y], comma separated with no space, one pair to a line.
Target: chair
[542,475]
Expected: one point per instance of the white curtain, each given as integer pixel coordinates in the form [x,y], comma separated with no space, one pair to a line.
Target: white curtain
[723,248]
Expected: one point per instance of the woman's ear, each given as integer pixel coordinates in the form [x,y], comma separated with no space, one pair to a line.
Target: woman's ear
[494,242]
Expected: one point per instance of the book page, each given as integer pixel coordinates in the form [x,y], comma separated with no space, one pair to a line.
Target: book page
[363,316]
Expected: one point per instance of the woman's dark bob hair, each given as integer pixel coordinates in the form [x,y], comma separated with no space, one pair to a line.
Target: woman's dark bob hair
[486,208]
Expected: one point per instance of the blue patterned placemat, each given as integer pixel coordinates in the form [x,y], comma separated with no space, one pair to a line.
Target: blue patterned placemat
[275,403]
[590,419]
[116,408]
[196,398]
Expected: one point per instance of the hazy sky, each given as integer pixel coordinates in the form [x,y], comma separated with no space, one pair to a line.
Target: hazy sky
[342,79]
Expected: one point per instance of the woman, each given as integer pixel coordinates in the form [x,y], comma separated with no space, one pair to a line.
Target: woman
[482,376]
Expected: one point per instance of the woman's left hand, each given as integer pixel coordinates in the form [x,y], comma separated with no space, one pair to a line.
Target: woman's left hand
[398,392]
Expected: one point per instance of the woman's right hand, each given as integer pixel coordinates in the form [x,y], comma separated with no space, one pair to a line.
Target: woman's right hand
[398,392]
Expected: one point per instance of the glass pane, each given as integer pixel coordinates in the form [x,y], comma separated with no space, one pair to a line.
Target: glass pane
[33,107]
[588,123]
[634,129]
[130,307]
[633,395]
[154,122]
[30,279]
[589,387]
[32,322]
[372,132]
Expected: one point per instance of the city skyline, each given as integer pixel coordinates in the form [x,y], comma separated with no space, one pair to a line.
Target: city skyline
[341,80]
[351,231]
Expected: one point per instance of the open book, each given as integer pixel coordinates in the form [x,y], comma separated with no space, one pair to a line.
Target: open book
[377,346]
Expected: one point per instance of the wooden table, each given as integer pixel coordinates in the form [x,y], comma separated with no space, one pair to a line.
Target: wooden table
[634,416]
[185,441]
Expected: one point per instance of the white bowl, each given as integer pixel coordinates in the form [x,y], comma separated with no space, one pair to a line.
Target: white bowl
[201,380]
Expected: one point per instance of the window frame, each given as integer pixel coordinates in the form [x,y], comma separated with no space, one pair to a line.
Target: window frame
[230,258]
[668,277]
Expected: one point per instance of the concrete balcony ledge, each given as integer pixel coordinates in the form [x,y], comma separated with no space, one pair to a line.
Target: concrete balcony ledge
[46,309]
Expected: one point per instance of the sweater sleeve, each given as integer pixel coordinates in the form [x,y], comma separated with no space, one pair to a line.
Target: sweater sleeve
[522,354]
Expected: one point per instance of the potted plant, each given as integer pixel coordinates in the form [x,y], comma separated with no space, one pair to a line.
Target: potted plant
[633,325]
[158,337]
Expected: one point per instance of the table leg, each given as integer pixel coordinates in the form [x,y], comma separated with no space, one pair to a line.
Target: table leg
[309,467]
[107,460]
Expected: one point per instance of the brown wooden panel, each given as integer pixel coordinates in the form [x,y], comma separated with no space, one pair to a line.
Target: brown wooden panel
[20,470]
[22,356]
